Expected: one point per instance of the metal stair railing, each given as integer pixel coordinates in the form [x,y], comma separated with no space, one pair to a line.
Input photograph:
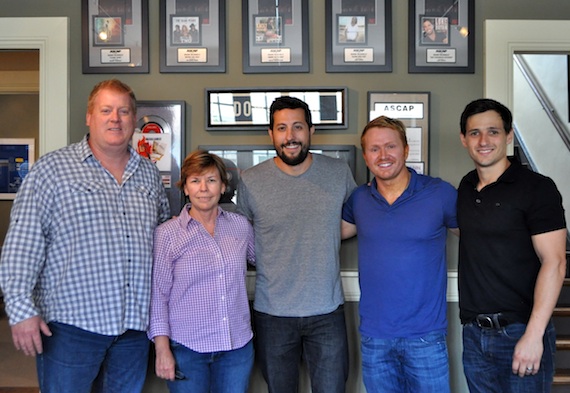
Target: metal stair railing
[542,98]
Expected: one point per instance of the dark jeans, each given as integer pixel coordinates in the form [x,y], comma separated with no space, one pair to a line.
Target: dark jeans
[412,365]
[281,342]
[488,358]
[78,361]
[213,372]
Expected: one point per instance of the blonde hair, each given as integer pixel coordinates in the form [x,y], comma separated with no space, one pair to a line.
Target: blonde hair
[386,122]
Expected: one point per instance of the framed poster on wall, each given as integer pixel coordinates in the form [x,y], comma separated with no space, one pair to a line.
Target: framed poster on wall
[160,137]
[192,36]
[441,36]
[114,35]
[358,35]
[275,36]
[241,157]
[16,158]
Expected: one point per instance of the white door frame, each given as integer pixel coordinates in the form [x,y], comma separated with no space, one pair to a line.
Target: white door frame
[504,38]
[51,37]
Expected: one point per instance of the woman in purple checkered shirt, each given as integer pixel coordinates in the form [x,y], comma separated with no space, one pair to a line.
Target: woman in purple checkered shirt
[199,316]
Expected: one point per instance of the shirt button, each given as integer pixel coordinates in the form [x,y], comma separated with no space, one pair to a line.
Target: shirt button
[477,200]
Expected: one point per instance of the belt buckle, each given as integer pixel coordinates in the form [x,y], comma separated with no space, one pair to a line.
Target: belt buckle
[491,321]
[485,321]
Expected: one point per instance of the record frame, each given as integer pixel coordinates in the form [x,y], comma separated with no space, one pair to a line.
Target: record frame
[168,118]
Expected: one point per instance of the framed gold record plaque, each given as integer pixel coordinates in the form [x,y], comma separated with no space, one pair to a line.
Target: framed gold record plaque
[159,136]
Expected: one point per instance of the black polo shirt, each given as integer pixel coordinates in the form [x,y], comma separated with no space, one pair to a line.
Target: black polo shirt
[498,266]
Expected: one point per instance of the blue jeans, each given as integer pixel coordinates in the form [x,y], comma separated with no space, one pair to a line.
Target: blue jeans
[319,340]
[78,361]
[413,365]
[488,358]
[214,372]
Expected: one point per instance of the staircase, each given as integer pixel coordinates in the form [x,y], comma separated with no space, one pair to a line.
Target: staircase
[561,318]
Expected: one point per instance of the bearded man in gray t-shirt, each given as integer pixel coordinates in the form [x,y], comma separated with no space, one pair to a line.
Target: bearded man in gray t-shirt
[295,203]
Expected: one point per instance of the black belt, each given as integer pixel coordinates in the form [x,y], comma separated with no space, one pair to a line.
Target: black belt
[491,321]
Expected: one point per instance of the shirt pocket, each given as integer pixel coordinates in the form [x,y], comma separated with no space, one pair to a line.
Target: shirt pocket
[86,198]
[150,193]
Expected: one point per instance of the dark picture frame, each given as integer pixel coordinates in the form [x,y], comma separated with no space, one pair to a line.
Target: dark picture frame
[238,158]
[17,155]
[230,109]
[413,109]
[371,49]
[285,52]
[114,35]
[246,156]
[202,51]
[160,136]
[441,37]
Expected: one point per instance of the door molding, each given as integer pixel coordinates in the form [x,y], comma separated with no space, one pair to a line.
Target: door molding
[504,38]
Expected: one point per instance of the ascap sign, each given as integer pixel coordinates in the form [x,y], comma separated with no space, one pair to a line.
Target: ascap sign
[400,110]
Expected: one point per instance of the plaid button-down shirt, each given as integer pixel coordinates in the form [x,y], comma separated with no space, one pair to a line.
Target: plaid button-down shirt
[79,246]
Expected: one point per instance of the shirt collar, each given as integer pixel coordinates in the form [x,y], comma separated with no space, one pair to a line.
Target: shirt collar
[413,186]
[85,151]
[508,175]
[185,217]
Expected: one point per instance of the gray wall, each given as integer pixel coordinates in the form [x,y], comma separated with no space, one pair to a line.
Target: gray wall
[449,93]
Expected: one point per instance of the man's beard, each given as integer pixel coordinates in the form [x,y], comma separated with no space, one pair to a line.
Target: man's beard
[296,160]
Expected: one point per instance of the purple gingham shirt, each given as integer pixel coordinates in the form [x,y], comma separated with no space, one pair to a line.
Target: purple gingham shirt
[199,296]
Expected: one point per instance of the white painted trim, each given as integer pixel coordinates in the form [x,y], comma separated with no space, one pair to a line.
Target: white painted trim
[505,37]
[352,288]
[51,37]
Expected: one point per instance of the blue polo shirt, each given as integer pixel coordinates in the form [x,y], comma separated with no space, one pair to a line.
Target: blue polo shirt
[402,256]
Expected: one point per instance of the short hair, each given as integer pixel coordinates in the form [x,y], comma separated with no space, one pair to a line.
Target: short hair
[287,102]
[114,85]
[386,122]
[197,163]
[483,105]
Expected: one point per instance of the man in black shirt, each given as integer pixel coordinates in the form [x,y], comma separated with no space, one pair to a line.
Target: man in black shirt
[511,260]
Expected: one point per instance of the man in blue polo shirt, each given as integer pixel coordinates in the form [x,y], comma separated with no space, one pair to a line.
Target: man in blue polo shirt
[402,219]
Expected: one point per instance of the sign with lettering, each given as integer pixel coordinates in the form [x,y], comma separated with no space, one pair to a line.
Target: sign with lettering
[412,109]
[401,110]
[231,109]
